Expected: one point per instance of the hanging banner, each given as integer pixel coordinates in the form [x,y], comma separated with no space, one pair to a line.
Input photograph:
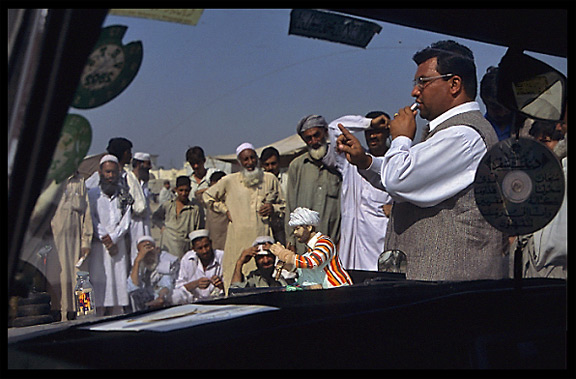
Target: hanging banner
[181,16]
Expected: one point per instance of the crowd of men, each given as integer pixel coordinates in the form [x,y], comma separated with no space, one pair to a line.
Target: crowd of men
[338,207]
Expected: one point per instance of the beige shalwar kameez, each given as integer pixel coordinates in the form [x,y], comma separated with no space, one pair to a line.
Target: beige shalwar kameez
[231,194]
[72,231]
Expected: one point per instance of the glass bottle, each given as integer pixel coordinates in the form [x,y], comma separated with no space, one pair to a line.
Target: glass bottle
[84,295]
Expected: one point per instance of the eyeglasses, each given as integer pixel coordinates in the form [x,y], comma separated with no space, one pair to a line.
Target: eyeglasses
[422,80]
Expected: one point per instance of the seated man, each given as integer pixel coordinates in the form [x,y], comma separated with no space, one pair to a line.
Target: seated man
[200,276]
[152,276]
[265,274]
[320,266]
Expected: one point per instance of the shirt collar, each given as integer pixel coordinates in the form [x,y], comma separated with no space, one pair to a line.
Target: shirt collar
[313,240]
[214,263]
[462,108]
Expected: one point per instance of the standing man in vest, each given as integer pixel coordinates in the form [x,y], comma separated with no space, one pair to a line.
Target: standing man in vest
[435,220]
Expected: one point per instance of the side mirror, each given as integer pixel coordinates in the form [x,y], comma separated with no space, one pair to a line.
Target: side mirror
[531,87]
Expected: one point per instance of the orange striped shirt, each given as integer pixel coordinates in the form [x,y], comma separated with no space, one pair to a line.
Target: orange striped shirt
[320,264]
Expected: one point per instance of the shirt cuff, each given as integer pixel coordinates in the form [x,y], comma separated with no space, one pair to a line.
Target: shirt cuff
[375,165]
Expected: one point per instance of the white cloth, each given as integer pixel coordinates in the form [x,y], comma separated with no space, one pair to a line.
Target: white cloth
[191,269]
[140,224]
[304,216]
[108,273]
[196,186]
[363,222]
[433,170]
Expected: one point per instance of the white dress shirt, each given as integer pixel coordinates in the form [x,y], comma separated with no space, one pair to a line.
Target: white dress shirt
[191,269]
[433,170]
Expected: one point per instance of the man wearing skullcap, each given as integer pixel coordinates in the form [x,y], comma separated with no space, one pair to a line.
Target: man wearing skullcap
[177,218]
[152,276]
[200,275]
[319,266]
[111,208]
[249,198]
[137,180]
[121,148]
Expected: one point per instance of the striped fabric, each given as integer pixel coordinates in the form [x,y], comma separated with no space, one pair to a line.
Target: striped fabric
[322,260]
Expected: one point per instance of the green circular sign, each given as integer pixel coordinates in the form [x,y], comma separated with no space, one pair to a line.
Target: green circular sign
[73,145]
[110,68]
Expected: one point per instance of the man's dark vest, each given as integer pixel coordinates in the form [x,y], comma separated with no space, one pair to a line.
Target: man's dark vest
[451,240]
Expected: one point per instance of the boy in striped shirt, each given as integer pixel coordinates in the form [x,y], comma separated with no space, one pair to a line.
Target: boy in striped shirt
[320,265]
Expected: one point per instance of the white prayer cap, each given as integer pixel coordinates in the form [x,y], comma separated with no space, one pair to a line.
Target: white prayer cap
[141,156]
[311,121]
[244,146]
[304,216]
[109,158]
[145,238]
[262,240]
[198,234]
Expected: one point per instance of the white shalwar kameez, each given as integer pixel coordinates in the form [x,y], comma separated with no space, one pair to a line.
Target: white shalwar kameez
[140,224]
[108,274]
[363,222]
[191,269]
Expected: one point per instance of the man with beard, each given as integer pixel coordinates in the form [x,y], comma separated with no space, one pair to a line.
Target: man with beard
[249,198]
[200,274]
[138,183]
[319,267]
[121,148]
[263,276]
[111,208]
[152,276]
[312,183]
[365,209]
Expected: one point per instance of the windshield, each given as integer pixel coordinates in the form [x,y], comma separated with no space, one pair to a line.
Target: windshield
[223,78]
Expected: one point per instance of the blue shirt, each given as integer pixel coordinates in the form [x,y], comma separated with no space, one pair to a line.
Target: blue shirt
[502,134]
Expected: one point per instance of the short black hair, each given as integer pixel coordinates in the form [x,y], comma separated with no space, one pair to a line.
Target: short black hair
[452,58]
[195,154]
[269,152]
[182,181]
[543,128]
[375,114]
[489,85]
[117,146]
[217,175]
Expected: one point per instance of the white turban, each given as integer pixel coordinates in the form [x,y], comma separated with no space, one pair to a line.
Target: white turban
[145,238]
[304,216]
[108,158]
[141,156]
[244,146]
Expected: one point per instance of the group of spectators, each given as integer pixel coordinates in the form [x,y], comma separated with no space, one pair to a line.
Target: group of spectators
[338,207]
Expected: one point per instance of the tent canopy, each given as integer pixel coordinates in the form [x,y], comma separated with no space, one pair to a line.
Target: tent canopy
[289,148]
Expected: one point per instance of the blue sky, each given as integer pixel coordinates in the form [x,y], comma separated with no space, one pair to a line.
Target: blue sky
[237,76]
